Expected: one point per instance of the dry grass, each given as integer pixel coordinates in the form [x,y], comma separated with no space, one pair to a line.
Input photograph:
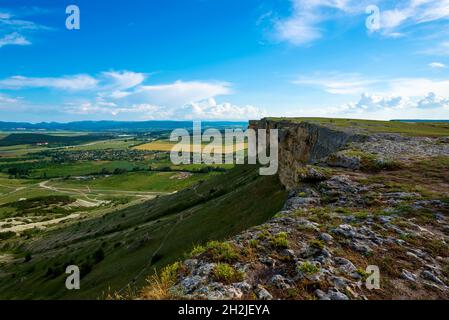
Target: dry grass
[159,285]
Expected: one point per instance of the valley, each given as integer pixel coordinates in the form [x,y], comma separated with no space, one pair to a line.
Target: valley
[118,213]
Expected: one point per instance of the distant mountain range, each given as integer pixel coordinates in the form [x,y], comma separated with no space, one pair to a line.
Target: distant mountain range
[125,126]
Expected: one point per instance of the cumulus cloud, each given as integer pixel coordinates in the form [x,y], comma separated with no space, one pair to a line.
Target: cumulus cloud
[176,94]
[126,92]
[432,101]
[372,103]
[201,110]
[386,98]
[211,110]
[394,107]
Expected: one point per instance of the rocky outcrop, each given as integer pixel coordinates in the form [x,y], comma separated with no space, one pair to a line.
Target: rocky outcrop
[345,215]
[302,143]
[305,142]
[320,246]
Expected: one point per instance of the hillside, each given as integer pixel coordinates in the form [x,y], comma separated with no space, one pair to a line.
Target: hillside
[53,140]
[361,193]
[117,250]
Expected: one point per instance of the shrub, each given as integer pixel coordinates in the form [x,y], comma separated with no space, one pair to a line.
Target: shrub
[310,174]
[280,240]
[197,250]
[226,273]
[6,235]
[222,251]
[264,235]
[253,243]
[308,268]
[317,244]
[362,274]
[160,284]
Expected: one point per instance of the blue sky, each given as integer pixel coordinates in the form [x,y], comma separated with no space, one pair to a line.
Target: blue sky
[224,59]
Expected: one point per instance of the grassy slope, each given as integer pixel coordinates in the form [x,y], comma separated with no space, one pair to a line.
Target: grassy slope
[169,226]
[431,129]
[136,181]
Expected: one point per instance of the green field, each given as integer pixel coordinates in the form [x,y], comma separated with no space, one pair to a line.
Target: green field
[106,144]
[19,150]
[137,181]
[84,168]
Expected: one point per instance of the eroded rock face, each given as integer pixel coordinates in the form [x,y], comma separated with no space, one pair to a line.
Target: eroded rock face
[302,143]
[310,251]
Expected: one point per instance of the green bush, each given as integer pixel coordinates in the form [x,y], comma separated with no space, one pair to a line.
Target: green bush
[280,240]
[226,273]
[317,244]
[222,251]
[7,235]
[196,251]
[308,268]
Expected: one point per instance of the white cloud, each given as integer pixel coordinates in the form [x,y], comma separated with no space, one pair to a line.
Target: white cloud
[437,65]
[353,83]
[372,103]
[122,80]
[202,110]
[107,83]
[337,83]
[14,31]
[303,26]
[432,101]
[306,23]
[411,13]
[176,94]
[415,87]
[382,98]
[76,82]
[371,106]
[211,110]
[4,16]
[14,39]
[299,29]
[125,92]
[4,99]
